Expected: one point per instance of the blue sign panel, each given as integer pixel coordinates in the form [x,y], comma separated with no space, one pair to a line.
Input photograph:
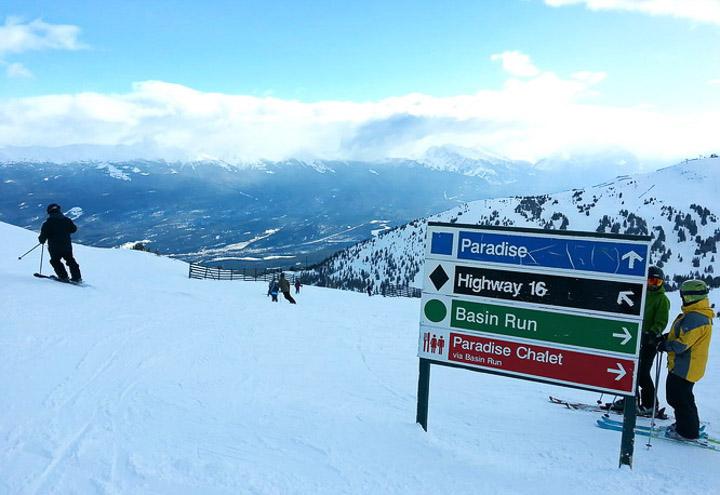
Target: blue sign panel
[620,258]
[441,243]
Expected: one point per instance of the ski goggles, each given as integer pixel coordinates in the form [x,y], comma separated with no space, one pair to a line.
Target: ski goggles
[655,282]
[703,292]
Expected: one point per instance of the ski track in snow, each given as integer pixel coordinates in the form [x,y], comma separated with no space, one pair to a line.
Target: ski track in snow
[151,383]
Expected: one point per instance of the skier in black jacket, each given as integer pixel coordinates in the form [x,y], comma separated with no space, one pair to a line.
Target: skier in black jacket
[56,230]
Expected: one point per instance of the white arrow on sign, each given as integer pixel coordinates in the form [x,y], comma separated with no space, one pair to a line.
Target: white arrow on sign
[624,297]
[632,257]
[626,336]
[620,372]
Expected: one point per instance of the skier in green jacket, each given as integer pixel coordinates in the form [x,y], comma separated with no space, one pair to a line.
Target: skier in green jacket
[655,319]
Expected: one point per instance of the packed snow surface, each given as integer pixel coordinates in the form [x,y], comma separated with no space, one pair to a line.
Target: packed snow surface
[147,382]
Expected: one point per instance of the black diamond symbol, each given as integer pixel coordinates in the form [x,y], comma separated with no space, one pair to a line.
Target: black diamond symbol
[439,277]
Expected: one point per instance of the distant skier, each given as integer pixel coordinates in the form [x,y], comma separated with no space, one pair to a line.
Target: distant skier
[297,286]
[285,288]
[56,230]
[655,319]
[273,289]
[369,290]
[687,345]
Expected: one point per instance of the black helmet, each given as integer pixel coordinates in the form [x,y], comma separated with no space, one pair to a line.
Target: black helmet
[655,272]
[53,208]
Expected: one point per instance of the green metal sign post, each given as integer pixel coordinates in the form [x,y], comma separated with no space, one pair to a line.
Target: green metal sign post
[627,443]
[423,395]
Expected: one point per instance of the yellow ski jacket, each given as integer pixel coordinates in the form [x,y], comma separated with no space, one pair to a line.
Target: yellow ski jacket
[688,342]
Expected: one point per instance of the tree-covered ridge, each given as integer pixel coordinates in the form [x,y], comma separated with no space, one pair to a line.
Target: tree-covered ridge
[675,206]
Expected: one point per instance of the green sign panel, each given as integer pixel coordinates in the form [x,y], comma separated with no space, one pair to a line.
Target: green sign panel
[581,331]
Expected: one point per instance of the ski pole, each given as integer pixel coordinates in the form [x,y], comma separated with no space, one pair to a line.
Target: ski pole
[655,401]
[607,414]
[42,251]
[33,249]
[600,399]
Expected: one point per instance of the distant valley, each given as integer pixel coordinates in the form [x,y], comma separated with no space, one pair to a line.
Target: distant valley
[265,214]
[259,215]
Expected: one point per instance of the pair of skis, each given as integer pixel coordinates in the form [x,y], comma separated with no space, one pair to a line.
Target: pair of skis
[705,441]
[56,279]
[603,408]
[606,423]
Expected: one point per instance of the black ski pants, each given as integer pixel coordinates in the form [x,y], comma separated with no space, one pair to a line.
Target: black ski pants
[646,387]
[56,263]
[680,396]
[289,297]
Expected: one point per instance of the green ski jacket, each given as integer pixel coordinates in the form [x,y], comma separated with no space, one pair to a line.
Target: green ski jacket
[657,311]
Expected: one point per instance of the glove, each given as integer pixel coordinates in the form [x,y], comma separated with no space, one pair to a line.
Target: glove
[649,340]
[661,340]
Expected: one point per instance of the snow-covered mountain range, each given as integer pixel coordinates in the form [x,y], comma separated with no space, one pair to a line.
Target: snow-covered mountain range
[679,207]
[255,214]
[494,168]
[260,213]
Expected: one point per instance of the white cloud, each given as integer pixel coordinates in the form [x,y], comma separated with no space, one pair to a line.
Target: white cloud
[18,70]
[589,77]
[707,11]
[17,36]
[516,63]
[529,117]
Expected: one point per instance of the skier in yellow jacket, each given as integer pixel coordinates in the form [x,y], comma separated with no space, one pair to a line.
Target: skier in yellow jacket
[687,345]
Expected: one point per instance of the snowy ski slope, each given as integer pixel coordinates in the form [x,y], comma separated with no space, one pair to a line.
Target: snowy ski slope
[146,382]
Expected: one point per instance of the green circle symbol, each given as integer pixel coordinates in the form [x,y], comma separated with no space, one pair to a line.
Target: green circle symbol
[435,311]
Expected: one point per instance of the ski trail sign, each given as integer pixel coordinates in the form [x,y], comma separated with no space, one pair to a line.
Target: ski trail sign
[579,294]
[558,307]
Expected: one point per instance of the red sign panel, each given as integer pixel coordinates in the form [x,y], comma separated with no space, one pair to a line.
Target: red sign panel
[572,367]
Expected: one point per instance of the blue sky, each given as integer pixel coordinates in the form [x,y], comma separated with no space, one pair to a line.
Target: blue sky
[636,55]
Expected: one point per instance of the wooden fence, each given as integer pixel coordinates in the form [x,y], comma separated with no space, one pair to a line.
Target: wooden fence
[217,273]
[247,274]
[400,291]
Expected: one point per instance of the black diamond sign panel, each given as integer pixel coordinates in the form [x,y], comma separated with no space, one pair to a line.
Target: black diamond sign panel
[438,277]
[612,296]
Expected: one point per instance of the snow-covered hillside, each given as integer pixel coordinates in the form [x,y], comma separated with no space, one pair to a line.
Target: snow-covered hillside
[678,206]
[147,382]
